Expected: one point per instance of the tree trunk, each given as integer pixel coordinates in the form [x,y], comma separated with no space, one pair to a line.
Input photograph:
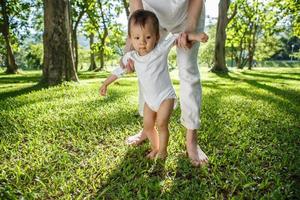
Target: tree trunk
[252,46]
[103,38]
[93,65]
[220,63]
[223,20]
[12,67]
[101,52]
[126,7]
[74,38]
[58,54]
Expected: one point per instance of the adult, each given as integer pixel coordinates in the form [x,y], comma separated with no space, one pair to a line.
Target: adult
[180,16]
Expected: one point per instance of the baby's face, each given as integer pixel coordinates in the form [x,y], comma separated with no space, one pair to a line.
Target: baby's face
[143,39]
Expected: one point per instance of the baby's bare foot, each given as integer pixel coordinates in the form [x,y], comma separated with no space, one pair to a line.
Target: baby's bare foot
[196,155]
[152,154]
[136,139]
[162,155]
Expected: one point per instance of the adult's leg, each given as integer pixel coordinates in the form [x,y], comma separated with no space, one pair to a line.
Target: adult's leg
[190,101]
[191,93]
[162,123]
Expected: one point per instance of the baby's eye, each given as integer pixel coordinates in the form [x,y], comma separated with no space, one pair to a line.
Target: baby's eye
[148,37]
[136,38]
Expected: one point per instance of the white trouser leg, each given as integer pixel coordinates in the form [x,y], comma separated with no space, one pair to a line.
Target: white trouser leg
[141,102]
[190,87]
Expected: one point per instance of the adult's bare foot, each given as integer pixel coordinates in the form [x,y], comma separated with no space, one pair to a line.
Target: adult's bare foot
[136,139]
[195,154]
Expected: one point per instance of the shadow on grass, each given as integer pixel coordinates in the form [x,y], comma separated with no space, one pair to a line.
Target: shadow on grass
[19,92]
[290,95]
[134,178]
[272,76]
[20,78]
[92,75]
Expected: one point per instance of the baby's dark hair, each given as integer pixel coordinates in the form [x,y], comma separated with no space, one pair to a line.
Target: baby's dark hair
[141,17]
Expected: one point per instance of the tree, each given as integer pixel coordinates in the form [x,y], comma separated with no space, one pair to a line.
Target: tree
[58,55]
[102,23]
[206,55]
[223,20]
[126,7]
[267,47]
[12,67]
[289,9]
[254,19]
[79,8]
[93,64]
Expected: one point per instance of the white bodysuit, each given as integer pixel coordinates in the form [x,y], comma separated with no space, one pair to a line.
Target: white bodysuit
[152,72]
[173,17]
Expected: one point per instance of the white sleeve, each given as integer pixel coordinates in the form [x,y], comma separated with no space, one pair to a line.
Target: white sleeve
[168,43]
[119,72]
[126,57]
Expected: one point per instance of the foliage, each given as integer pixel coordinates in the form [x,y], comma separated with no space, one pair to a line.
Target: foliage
[207,49]
[84,58]
[254,19]
[267,47]
[290,45]
[102,21]
[32,56]
[66,142]
[14,28]
[289,11]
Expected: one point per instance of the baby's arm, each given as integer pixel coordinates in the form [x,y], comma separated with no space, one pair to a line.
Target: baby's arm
[117,73]
[200,37]
[106,83]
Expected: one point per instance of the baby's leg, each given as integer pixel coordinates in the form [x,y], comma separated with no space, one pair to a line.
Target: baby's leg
[149,124]
[163,117]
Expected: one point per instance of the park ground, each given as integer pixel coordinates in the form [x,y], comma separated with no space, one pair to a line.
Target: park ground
[67,142]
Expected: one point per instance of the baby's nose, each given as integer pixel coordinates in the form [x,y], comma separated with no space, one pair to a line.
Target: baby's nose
[143,41]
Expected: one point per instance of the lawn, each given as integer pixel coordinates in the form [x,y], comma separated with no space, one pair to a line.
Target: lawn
[66,142]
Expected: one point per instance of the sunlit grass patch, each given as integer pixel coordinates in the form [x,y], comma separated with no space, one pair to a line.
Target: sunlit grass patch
[67,142]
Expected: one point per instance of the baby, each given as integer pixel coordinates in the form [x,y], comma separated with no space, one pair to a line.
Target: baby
[150,63]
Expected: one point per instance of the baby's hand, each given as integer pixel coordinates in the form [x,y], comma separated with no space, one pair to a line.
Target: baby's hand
[203,37]
[102,90]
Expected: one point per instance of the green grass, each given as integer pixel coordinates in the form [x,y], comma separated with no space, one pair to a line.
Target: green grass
[66,142]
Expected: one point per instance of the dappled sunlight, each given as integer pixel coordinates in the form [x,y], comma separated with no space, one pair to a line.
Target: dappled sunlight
[73,140]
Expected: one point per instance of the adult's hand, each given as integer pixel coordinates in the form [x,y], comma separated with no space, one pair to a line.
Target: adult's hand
[183,42]
[129,66]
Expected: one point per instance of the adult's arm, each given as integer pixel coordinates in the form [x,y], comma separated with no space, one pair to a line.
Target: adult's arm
[194,13]
[133,6]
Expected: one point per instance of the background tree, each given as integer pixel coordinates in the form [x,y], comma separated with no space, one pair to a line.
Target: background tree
[206,55]
[126,7]
[102,21]
[254,19]
[58,55]
[78,9]
[223,20]
[13,26]
[5,30]
[289,9]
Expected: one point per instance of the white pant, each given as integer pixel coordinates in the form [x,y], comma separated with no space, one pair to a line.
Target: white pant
[190,86]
